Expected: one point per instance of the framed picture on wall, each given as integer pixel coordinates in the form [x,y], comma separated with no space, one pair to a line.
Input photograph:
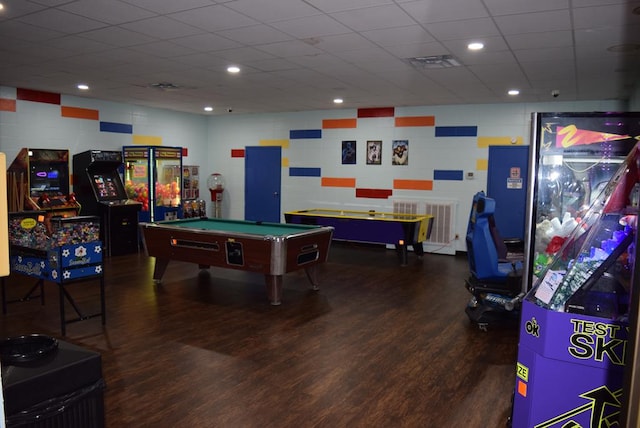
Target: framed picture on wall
[400,152]
[374,152]
[348,152]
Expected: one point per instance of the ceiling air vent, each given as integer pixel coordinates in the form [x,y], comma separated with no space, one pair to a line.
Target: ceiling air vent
[434,61]
[165,86]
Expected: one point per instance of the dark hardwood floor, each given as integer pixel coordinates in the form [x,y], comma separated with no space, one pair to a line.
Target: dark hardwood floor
[379,345]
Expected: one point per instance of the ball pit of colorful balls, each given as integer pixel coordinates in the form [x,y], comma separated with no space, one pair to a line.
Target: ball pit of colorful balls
[138,192]
[168,194]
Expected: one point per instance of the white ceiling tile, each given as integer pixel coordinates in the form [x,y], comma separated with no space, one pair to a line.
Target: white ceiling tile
[418,49]
[239,55]
[540,40]
[255,35]
[311,26]
[343,43]
[545,54]
[374,18]
[547,70]
[206,42]
[289,48]
[22,31]
[213,18]
[169,6]
[398,35]
[428,11]
[272,10]
[61,21]
[467,29]
[163,49]
[117,36]
[77,45]
[514,7]
[162,27]
[114,12]
[330,6]
[609,16]
[497,72]
[539,22]
[474,58]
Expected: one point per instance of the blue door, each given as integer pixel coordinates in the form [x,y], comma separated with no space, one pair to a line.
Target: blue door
[507,183]
[262,169]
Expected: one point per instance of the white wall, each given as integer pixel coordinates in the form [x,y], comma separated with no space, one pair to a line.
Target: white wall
[209,141]
[426,153]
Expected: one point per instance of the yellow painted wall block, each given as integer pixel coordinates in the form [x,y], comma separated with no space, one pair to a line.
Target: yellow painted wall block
[482,164]
[282,143]
[146,140]
[500,141]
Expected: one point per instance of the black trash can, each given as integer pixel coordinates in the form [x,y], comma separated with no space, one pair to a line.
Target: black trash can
[51,384]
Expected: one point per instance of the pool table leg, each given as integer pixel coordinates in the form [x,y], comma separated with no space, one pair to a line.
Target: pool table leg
[274,288]
[312,275]
[158,270]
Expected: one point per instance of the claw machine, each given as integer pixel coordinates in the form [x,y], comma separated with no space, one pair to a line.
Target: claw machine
[153,177]
[581,239]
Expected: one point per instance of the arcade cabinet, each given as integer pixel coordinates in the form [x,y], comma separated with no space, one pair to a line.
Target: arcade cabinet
[38,180]
[495,265]
[100,190]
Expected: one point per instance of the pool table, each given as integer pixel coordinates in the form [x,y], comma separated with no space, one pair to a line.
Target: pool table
[272,249]
[374,227]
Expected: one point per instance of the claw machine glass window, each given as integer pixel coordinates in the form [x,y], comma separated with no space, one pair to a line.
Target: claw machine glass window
[574,157]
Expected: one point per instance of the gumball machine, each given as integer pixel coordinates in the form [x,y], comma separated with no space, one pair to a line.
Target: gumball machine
[216,187]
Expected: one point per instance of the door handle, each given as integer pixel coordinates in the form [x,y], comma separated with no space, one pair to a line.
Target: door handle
[276,194]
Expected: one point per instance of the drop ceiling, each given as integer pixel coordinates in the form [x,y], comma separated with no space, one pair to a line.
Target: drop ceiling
[298,55]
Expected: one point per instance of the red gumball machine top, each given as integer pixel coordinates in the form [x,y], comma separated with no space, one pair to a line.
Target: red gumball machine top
[215,183]
[216,186]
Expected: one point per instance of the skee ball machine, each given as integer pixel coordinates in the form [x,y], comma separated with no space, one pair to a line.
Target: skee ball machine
[39,180]
[100,191]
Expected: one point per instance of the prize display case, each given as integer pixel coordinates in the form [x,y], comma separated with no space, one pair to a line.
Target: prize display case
[192,205]
[575,317]
[153,177]
[39,179]
[100,190]
[64,251]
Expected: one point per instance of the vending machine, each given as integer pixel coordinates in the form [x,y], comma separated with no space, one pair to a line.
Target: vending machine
[153,177]
[582,212]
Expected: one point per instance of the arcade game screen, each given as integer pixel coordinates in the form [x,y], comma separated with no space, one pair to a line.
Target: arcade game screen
[49,177]
[107,186]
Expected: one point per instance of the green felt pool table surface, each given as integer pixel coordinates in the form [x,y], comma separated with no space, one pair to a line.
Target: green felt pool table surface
[239,226]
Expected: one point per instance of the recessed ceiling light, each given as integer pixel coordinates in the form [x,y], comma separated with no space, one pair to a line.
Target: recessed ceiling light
[338,100]
[233,69]
[1,6]
[513,92]
[475,46]
[83,86]
[208,108]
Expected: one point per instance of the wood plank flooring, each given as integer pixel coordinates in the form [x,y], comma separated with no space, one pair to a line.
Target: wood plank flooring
[379,345]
